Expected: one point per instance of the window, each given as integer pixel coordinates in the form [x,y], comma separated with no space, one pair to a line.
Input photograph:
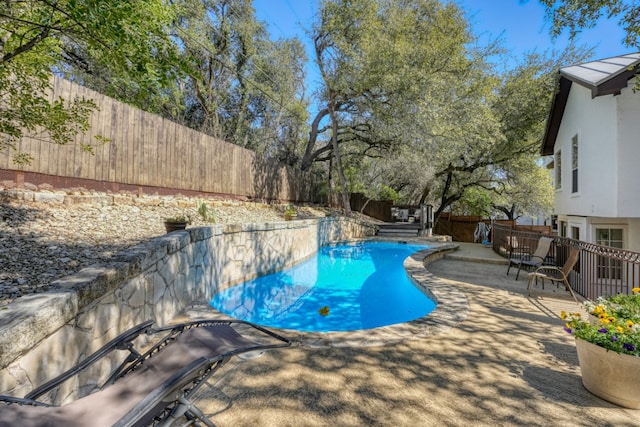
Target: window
[574,164]
[609,268]
[575,233]
[558,165]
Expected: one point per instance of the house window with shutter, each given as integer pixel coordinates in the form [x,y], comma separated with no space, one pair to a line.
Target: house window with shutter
[574,164]
[558,169]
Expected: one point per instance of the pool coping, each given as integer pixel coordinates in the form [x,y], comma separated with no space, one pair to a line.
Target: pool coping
[452,308]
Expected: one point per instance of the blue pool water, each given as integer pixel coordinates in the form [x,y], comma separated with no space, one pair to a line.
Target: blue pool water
[363,285]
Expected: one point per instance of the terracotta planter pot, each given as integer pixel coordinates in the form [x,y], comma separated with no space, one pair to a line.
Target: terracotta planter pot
[174,226]
[611,376]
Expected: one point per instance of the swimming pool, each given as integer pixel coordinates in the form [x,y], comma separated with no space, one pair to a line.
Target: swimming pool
[359,286]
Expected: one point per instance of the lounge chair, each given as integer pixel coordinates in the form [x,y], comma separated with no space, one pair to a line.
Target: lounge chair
[556,274]
[150,387]
[534,260]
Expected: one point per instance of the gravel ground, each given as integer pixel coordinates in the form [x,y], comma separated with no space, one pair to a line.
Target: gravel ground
[44,241]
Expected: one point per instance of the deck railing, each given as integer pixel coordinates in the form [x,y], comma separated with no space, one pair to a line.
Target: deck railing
[600,270]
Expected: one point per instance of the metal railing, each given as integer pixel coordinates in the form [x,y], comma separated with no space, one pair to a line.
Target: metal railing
[600,270]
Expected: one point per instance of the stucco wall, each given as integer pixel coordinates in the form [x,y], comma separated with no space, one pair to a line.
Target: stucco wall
[628,109]
[45,334]
[595,123]
[608,131]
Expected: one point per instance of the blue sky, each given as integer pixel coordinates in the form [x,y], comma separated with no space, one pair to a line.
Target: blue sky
[521,26]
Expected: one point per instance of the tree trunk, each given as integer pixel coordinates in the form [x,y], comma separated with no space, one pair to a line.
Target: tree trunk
[509,212]
[365,205]
[308,156]
[336,152]
[425,194]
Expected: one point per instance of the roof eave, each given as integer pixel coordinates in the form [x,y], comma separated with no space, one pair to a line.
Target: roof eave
[558,105]
[615,85]
[611,86]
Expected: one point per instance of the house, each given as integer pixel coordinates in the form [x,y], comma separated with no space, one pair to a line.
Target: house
[593,132]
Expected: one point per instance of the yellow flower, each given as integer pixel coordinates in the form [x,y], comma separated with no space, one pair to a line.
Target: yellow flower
[598,309]
[620,329]
[563,314]
[629,324]
[635,290]
[604,320]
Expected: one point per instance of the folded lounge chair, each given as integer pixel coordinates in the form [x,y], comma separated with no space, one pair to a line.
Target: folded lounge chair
[532,260]
[153,387]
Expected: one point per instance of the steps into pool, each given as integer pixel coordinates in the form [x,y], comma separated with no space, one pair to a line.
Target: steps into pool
[398,229]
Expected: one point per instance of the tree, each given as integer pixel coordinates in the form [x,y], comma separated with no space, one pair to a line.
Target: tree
[576,15]
[130,37]
[528,190]
[240,86]
[410,102]
[501,135]
[25,107]
[379,60]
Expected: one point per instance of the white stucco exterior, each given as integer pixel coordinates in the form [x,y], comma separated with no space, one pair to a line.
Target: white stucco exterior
[594,122]
[628,119]
[608,196]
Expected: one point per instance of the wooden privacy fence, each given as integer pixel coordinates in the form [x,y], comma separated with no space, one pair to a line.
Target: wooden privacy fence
[462,228]
[147,150]
[600,270]
[379,209]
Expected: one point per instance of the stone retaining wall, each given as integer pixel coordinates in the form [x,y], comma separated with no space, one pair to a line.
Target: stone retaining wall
[44,334]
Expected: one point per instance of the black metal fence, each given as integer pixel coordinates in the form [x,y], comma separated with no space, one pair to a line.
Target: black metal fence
[600,270]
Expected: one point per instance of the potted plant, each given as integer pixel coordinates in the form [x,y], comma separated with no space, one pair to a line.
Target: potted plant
[608,346]
[176,223]
[290,213]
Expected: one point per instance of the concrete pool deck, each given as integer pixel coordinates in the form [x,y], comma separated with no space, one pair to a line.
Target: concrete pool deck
[508,363]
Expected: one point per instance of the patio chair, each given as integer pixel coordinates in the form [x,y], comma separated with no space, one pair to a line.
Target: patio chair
[152,387]
[534,260]
[556,274]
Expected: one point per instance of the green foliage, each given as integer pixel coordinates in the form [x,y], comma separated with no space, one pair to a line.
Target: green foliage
[127,36]
[290,210]
[205,213]
[476,201]
[384,192]
[27,110]
[615,324]
[240,86]
[496,144]
[383,65]
[365,179]
[576,15]
[528,185]
[419,108]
